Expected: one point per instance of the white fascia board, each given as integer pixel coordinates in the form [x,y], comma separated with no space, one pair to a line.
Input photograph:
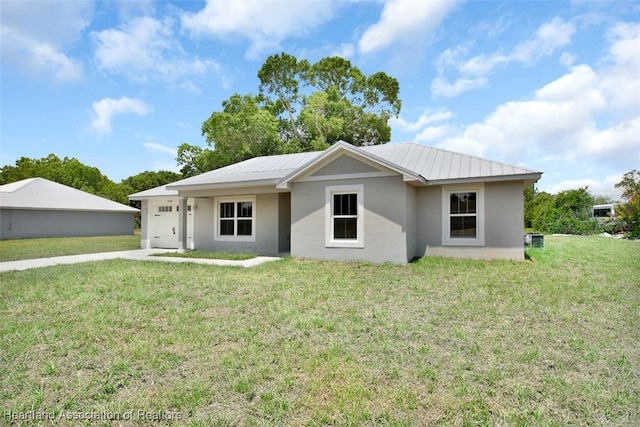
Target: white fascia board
[533,177]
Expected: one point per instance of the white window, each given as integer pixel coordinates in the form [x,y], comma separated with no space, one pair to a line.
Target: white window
[344,219]
[165,208]
[235,219]
[463,216]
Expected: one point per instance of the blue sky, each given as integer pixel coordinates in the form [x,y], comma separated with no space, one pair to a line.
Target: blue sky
[553,86]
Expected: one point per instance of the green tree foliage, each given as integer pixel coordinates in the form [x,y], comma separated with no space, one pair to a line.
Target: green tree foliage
[66,171]
[629,212]
[194,160]
[149,179]
[322,103]
[567,212]
[300,107]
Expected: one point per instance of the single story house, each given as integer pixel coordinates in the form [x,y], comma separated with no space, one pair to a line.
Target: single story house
[390,202]
[37,207]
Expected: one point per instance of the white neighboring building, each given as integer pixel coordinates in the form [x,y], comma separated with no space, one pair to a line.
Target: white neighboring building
[37,207]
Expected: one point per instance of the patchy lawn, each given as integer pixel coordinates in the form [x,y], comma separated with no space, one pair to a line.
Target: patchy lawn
[13,250]
[553,341]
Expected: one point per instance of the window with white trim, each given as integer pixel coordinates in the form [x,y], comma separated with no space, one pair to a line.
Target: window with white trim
[463,216]
[165,208]
[235,218]
[344,220]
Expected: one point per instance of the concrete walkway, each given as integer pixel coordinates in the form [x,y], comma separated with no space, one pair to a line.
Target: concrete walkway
[138,254]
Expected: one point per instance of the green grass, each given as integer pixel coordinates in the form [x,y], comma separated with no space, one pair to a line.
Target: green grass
[235,256]
[12,250]
[550,342]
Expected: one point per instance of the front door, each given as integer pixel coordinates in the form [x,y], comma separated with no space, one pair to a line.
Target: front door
[165,227]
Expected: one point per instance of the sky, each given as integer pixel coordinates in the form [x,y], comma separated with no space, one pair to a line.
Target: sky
[119,85]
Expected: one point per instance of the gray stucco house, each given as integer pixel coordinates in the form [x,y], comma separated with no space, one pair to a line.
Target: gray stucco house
[381,203]
[37,207]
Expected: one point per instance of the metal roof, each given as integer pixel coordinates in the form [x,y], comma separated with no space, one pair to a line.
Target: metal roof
[40,193]
[161,191]
[434,165]
[266,168]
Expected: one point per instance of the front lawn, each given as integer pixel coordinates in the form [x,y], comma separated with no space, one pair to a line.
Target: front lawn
[553,341]
[234,256]
[13,250]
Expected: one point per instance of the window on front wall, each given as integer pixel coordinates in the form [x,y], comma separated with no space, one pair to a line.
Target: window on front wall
[344,216]
[235,218]
[463,216]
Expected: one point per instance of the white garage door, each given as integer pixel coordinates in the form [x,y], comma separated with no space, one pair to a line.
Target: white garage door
[165,227]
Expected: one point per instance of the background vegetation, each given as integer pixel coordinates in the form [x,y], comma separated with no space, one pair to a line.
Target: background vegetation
[300,107]
[569,212]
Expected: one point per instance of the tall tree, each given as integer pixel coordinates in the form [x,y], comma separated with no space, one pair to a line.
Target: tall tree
[333,100]
[243,129]
[299,107]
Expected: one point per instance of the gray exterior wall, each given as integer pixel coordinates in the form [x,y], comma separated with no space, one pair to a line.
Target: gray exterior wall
[503,222]
[267,227]
[344,165]
[385,216]
[24,223]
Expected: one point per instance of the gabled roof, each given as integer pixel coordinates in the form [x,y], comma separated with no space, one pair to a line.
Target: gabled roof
[342,147]
[42,194]
[417,163]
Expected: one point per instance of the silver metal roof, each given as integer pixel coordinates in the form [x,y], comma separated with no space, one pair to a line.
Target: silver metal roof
[435,165]
[265,168]
[161,191]
[40,193]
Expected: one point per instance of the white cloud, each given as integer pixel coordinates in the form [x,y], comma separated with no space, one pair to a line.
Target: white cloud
[601,187]
[264,23]
[145,49]
[582,123]
[106,108]
[402,20]
[471,73]
[621,81]
[427,117]
[441,88]
[35,35]
[154,147]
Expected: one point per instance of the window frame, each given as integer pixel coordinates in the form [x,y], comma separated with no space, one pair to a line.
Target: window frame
[330,241]
[235,237]
[447,240]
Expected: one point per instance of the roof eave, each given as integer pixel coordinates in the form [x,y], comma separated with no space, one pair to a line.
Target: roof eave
[223,185]
[528,177]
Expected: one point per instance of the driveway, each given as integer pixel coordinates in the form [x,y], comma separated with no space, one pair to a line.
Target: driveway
[138,254]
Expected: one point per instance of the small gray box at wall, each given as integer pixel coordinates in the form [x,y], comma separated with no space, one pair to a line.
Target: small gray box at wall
[534,240]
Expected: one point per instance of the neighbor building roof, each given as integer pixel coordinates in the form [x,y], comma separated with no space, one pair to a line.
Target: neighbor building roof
[42,194]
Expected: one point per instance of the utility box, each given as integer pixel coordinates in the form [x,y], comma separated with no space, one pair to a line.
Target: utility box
[534,240]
